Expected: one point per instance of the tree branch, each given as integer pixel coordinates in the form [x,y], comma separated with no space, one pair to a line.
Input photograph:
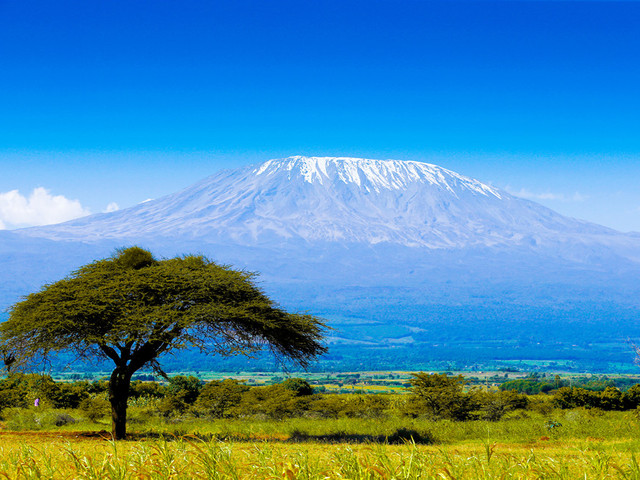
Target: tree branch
[111,353]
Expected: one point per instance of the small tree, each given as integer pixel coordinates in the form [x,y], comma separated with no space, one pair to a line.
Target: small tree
[299,386]
[441,396]
[186,389]
[219,396]
[131,308]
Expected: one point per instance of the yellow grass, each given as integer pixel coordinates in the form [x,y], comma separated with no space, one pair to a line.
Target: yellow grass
[72,455]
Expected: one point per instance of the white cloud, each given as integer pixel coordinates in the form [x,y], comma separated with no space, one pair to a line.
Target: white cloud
[524,193]
[112,207]
[39,208]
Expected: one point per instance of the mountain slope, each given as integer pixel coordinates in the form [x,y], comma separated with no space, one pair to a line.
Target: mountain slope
[317,199]
[408,261]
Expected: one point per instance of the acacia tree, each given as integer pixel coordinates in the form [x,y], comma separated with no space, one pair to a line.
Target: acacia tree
[131,308]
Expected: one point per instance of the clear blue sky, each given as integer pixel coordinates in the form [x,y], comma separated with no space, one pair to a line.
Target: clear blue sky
[120,101]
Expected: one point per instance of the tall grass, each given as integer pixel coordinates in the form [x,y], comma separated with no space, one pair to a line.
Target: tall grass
[188,458]
[563,444]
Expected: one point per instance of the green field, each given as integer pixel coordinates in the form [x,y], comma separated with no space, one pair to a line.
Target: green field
[271,431]
[587,445]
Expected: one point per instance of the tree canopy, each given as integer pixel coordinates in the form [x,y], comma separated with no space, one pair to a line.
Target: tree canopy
[131,308]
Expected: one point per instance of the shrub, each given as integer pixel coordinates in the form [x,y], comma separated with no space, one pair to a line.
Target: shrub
[298,385]
[63,419]
[95,408]
[186,389]
[171,406]
[566,397]
[363,406]
[440,396]
[494,405]
[272,401]
[406,435]
[14,391]
[218,398]
[327,406]
[36,418]
[146,390]
[66,395]
[611,399]
[631,398]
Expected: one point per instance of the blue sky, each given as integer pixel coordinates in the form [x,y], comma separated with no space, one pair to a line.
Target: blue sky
[120,101]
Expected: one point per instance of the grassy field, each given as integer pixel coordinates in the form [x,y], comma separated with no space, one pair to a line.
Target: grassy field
[75,456]
[561,444]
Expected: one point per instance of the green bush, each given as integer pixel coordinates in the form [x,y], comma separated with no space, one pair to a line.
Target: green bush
[610,398]
[185,389]
[14,392]
[631,398]
[218,398]
[327,406]
[66,395]
[440,396]
[299,386]
[171,406]
[566,397]
[494,405]
[274,401]
[140,389]
[405,435]
[95,408]
[36,418]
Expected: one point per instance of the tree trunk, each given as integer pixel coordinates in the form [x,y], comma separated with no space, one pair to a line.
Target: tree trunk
[118,396]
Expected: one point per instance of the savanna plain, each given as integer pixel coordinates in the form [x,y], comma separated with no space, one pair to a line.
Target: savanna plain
[364,426]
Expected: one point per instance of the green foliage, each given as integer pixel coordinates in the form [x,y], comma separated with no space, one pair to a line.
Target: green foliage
[567,397]
[37,418]
[180,394]
[631,398]
[328,406]
[218,398]
[299,386]
[171,406]
[144,307]
[141,389]
[132,308]
[186,389]
[439,396]
[95,408]
[273,401]
[610,398]
[494,405]
[14,391]
[364,406]
[65,395]
[349,406]
[530,386]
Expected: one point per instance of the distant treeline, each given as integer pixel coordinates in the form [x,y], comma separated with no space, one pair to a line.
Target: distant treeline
[436,396]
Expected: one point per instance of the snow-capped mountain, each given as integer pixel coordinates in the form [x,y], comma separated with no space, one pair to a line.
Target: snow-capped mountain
[395,254]
[348,200]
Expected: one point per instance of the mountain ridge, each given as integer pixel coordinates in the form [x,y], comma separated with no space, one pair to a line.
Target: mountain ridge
[335,199]
[384,250]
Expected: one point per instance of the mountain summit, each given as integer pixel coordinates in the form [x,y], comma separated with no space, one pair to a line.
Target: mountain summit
[410,262]
[326,199]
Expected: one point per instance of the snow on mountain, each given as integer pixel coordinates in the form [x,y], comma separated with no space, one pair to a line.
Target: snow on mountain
[347,200]
[386,251]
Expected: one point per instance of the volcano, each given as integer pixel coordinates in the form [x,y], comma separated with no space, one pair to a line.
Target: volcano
[395,254]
